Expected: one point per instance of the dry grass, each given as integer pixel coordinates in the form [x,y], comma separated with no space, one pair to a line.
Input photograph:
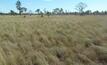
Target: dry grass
[55,40]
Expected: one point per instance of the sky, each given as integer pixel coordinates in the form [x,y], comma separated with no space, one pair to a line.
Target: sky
[69,5]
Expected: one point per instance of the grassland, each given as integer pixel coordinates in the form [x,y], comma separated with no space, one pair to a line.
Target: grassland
[54,40]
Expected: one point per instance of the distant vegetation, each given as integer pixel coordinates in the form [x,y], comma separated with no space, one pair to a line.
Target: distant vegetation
[57,11]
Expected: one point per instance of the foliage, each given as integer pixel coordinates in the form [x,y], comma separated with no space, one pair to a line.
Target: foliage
[80,7]
[20,8]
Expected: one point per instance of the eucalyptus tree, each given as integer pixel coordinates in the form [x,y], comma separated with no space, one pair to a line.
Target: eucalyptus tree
[38,11]
[80,7]
[23,9]
[18,6]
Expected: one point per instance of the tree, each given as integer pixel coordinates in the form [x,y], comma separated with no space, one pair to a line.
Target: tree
[18,6]
[96,12]
[56,11]
[105,12]
[48,13]
[12,12]
[61,11]
[1,13]
[80,7]
[38,11]
[88,12]
[23,9]
[41,13]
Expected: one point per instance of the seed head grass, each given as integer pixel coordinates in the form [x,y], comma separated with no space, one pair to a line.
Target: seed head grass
[54,40]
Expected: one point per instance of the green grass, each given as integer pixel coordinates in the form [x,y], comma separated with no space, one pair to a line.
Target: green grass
[54,40]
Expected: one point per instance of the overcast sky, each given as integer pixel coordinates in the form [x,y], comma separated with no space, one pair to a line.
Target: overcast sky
[7,5]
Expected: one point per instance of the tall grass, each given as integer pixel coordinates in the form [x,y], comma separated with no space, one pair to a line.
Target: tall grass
[54,40]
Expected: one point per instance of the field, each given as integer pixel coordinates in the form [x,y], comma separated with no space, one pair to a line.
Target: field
[54,40]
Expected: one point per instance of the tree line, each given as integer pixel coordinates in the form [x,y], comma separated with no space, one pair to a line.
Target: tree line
[80,7]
